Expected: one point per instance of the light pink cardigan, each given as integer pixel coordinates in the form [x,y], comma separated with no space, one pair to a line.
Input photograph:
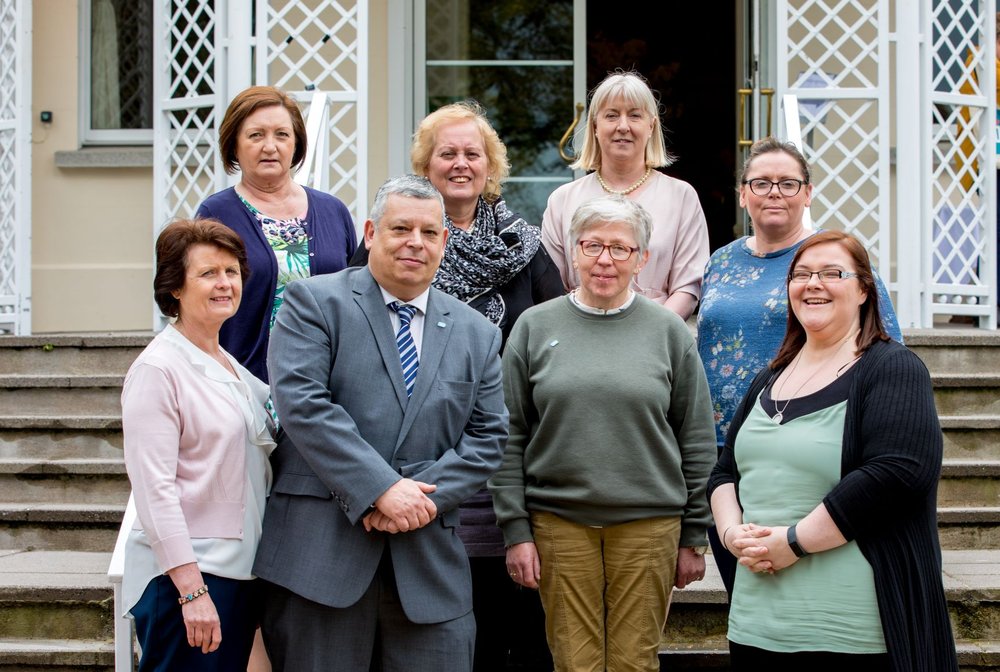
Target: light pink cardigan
[185,446]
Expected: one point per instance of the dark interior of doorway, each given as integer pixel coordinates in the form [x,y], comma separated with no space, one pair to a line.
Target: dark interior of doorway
[689,58]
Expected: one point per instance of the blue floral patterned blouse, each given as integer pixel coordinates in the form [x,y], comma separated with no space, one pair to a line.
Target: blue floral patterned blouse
[290,241]
[741,321]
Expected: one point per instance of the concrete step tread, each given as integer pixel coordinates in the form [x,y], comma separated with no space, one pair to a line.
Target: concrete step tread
[104,339]
[45,420]
[970,652]
[955,467]
[969,421]
[56,466]
[965,379]
[60,380]
[969,514]
[32,512]
[951,337]
[58,654]
[37,576]
[44,646]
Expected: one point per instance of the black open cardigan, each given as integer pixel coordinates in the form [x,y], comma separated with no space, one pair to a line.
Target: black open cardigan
[886,499]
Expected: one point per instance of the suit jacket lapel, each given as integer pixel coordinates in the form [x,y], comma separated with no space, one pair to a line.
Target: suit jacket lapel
[369,298]
[437,331]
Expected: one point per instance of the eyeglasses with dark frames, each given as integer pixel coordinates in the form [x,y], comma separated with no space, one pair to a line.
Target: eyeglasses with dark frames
[801,276]
[618,252]
[786,188]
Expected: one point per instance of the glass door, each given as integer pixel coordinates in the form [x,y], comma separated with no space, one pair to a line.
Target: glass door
[756,104]
[525,63]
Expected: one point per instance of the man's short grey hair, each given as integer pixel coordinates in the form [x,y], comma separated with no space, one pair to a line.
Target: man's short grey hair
[611,210]
[408,186]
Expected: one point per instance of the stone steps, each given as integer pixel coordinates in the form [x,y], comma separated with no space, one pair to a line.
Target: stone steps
[78,527]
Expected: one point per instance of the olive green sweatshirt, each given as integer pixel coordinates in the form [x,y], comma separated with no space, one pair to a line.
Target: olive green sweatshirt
[610,420]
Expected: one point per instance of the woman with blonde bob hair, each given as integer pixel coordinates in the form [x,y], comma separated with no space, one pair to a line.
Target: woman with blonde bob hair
[623,145]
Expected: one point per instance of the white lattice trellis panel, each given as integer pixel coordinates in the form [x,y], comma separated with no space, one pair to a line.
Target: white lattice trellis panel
[187,105]
[15,166]
[958,182]
[323,45]
[833,56]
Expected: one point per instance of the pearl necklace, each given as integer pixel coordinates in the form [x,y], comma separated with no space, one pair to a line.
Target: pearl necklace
[626,190]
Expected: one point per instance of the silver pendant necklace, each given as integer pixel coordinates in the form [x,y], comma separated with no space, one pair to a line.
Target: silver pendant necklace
[779,413]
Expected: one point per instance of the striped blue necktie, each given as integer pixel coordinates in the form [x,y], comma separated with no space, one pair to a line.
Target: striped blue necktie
[404,343]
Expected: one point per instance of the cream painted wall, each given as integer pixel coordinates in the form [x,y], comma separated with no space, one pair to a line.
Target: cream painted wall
[378,97]
[91,227]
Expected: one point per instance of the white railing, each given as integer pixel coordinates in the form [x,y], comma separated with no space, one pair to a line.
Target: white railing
[315,170]
[793,133]
[124,639]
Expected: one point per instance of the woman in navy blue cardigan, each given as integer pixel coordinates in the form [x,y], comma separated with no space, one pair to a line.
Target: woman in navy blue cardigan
[290,231]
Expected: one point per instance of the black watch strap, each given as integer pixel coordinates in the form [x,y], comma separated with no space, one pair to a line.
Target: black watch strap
[793,543]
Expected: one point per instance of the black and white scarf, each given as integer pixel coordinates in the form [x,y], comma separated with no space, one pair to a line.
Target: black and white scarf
[479,261]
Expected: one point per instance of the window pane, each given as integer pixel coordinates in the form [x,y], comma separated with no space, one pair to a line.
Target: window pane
[121,64]
[489,30]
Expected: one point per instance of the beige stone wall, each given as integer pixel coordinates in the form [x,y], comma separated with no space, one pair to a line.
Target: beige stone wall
[91,227]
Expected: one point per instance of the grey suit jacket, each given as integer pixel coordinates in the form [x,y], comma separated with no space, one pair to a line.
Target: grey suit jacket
[351,432]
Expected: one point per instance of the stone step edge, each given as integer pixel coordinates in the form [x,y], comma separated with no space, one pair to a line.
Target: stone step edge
[77,514]
[95,466]
[97,339]
[951,380]
[959,515]
[57,652]
[970,652]
[13,381]
[969,421]
[963,467]
[951,337]
[60,421]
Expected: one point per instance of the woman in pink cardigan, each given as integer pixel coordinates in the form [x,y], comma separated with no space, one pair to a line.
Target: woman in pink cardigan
[197,439]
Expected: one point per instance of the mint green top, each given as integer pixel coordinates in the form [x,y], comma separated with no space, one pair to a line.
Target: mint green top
[825,601]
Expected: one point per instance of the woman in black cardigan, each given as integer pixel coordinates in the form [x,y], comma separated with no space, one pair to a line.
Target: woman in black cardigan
[827,485]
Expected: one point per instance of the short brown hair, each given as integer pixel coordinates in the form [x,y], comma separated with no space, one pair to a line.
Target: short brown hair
[246,103]
[872,329]
[425,137]
[772,144]
[172,247]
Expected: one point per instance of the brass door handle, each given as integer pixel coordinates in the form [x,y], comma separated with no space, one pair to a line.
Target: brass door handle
[770,100]
[744,141]
[568,135]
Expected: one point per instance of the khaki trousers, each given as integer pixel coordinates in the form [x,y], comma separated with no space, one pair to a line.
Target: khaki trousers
[605,591]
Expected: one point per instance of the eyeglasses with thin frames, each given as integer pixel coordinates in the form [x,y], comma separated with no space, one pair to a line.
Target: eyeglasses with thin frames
[618,252]
[787,187]
[801,276]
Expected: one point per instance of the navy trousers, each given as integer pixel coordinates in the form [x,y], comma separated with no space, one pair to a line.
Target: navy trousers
[160,629]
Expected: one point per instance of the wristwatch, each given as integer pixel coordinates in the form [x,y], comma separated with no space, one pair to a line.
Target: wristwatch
[698,550]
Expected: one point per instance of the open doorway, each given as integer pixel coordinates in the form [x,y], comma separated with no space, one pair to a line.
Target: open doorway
[690,61]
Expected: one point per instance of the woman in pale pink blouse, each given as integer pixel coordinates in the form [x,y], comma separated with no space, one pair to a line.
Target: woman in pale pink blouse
[197,439]
[623,146]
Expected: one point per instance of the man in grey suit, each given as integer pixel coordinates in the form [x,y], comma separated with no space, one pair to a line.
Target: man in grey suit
[385,437]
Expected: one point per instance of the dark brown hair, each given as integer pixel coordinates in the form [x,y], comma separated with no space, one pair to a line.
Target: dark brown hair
[172,247]
[768,145]
[872,330]
[246,103]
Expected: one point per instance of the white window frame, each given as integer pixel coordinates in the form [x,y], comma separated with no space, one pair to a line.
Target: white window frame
[89,135]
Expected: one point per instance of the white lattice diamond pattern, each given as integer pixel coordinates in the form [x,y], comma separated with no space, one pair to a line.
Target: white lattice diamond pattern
[959,147]
[312,46]
[842,147]
[191,55]
[833,41]
[186,119]
[8,58]
[957,29]
[8,217]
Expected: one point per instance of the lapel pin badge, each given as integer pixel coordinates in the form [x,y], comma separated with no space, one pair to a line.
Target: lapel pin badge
[553,344]
[442,325]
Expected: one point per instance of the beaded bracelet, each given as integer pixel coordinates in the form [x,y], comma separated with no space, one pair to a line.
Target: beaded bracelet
[184,599]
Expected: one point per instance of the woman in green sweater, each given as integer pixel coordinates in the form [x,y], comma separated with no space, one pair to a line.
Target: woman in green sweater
[601,495]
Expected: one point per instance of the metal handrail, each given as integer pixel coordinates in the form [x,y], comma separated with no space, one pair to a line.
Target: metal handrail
[124,638]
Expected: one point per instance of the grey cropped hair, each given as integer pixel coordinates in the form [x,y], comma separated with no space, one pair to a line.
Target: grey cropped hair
[609,210]
[408,186]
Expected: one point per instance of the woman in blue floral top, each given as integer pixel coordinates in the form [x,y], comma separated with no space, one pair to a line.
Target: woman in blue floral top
[744,305]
